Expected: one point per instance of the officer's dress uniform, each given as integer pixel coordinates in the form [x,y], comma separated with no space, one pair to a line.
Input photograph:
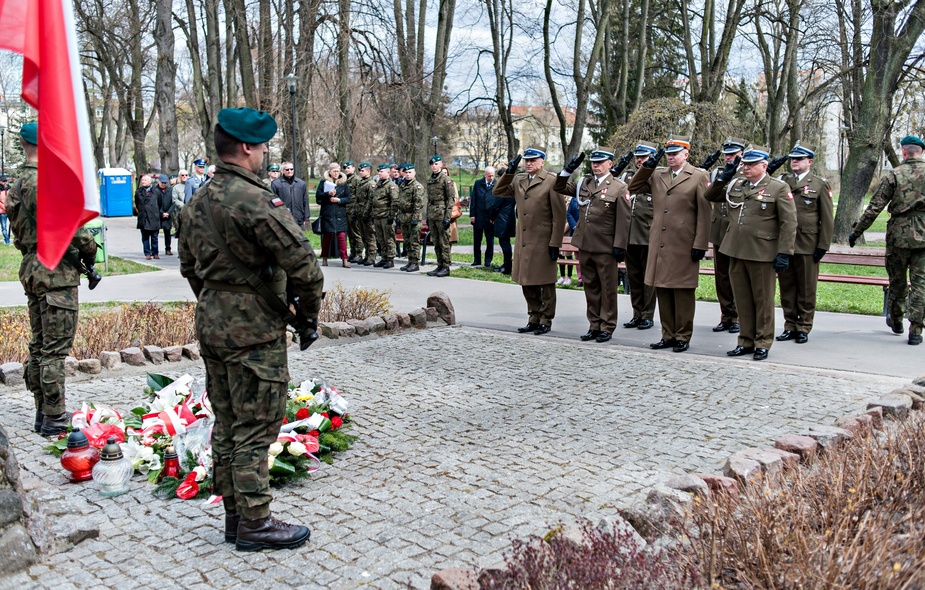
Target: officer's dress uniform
[642,296]
[719,226]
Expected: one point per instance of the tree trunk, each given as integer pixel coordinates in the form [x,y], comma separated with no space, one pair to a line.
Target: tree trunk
[344,90]
[191,30]
[166,88]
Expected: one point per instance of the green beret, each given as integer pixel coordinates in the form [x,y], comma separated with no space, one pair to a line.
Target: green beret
[382,167]
[435,158]
[365,165]
[30,132]
[247,125]
[407,167]
[273,168]
[912,140]
[348,163]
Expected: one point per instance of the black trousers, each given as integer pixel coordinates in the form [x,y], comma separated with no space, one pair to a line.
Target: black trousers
[477,233]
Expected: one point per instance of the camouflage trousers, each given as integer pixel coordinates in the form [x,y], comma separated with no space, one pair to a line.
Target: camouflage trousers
[247,387]
[368,231]
[440,238]
[385,235]
[53,321]
[411,234]
[355,234]
[900,264]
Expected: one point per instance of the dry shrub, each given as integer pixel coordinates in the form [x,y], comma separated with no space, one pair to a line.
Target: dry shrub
[853,519]
[14,335]
[607,559]
[341,304]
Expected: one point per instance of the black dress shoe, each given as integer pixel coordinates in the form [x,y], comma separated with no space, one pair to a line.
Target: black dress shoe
[915,339]
[802,338]
[528,328]
[542,329]
[476,263]
[590,335]
[761,354]
[604,337]
[681,346]
[734,328]
[663,344]
[633,323]
[721,327]
[741,351]
[786,335]
[645,325]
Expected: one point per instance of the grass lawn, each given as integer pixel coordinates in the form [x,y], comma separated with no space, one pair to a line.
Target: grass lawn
[10,259]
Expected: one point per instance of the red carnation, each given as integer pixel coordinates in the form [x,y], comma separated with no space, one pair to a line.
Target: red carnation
[302,414]
[285,420]
[336,422]
[325,414]
[315,433]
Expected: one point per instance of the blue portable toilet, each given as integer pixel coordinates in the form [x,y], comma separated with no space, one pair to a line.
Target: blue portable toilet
[115,192]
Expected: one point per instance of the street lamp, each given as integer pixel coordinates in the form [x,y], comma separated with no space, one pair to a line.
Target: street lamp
[2,150]
[290,81]
[434,139]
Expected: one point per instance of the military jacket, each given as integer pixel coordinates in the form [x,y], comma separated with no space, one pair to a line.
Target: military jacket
[603,212]
[903,189]
[363,197]
[763,218]
[36,278]
[719,222]
[441,195]
[815,212]
[261,232]
[410,202]
[640,205]
[353,180]
[384,197]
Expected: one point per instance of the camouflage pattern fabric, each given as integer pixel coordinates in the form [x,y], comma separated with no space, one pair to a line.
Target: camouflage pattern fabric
[364,217]
[385,194]
[441,195]
[900,263]
[354,223]
[385,235]
[410,205]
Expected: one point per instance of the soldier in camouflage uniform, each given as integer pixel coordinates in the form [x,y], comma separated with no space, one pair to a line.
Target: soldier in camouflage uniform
[408,210]
[441,195]
[385,194]
[362,202]
[51,294]
[241,335]
[903,189]
[354,235]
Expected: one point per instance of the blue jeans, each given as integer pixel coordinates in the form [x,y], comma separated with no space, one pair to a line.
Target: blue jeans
[5,226]
[149,241]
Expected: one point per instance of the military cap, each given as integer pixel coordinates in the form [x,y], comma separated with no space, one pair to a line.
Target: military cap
[383,167]
[248,125]
[908,140]
[163,178]
[273,168]
[802,151]
[645,148]
[756,154]
[365,165]
[435,158]
[348,163]
[677,143]
[201,161]
[407,167]
[532,153]
[733,145]
[30,132]
[601,155]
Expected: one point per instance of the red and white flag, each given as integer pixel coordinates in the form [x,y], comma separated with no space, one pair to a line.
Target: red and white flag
[43,32]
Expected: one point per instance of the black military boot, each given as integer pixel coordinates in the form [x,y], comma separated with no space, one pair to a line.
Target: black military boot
[388,264]
[413,267]
[55,425]
[269,533]
[38,421]
[231,526]
[442,272]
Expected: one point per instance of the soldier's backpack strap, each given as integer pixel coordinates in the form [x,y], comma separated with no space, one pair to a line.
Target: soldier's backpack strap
[218,230]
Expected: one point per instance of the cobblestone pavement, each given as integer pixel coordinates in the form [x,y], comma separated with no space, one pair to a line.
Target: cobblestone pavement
[469,438]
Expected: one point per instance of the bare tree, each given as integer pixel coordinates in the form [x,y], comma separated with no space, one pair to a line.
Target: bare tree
[166,87]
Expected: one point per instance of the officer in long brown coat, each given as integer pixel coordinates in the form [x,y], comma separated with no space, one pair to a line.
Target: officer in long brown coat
[759,243]
[678,240]
[815,225]
[601,236]
[540,219]
[642,296]
[729,317]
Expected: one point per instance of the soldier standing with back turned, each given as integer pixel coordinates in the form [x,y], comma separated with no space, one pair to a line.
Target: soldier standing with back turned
[240,332]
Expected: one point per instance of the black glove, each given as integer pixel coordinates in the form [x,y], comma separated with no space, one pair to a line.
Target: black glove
[776,163]
[697,255]
[852,238]
[553,253]
[710,160]
[781,262]
[390,220]
[574,163]
[652,162]
[308,334]
[818,254]
[729,170]
[513,164]
[619,254]
[622,164]
[446,224]
[414,223]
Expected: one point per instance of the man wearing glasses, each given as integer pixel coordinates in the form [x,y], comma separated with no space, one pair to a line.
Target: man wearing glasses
[294,193]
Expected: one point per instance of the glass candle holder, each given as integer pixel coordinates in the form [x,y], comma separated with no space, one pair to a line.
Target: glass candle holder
[79,457]
[113,471]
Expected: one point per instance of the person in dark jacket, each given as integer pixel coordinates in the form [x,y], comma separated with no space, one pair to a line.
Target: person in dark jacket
[162,191]
[333,215]
[148,207]
[571,218]
[480,203]
[503,216]
[294,193]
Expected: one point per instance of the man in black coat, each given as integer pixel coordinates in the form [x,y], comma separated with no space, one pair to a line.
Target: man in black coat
[294,193]
[503,217]
[148,207]
[481,202]
[164,195]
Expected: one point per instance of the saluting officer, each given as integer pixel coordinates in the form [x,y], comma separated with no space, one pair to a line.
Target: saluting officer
[719,224]
[385,194]
[441,194]
[759,242]
[678,240]
[601,236]
[815,226]
[410,206]
[540,219]
[642,296]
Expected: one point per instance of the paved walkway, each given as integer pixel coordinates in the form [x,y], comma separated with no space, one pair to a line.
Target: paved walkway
[469,438]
